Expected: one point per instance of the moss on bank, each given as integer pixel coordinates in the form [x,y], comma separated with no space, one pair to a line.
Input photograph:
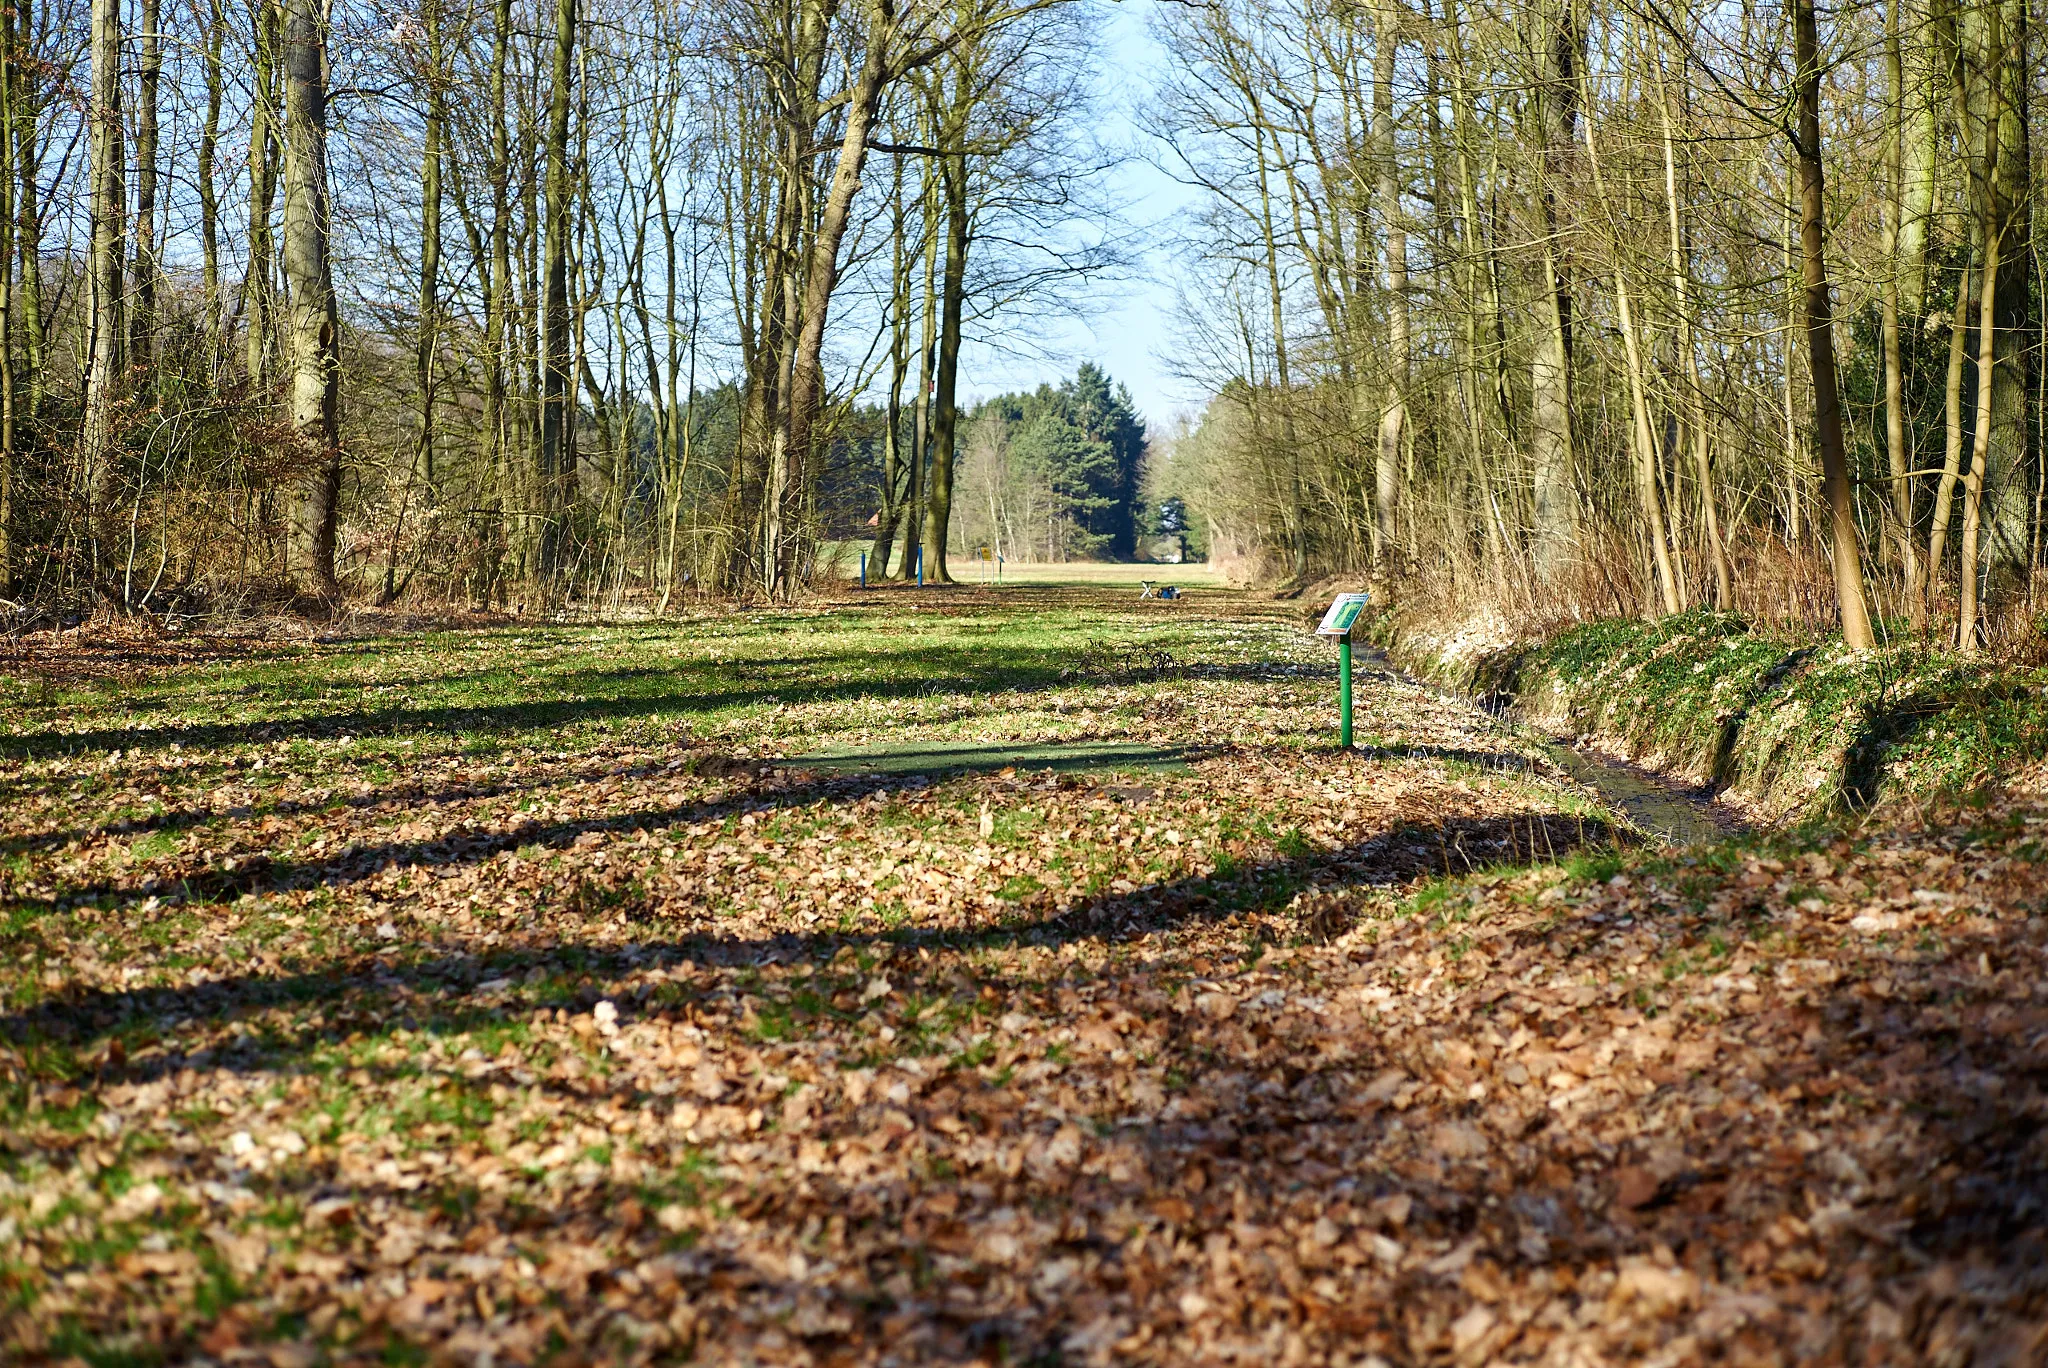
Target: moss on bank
[1791,729]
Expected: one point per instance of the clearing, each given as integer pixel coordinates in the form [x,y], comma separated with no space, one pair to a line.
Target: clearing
[511,994]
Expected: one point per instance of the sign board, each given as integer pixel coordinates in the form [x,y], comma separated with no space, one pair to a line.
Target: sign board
[1343,615]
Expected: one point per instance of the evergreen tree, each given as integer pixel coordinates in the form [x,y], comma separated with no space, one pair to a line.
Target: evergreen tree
[1083,444]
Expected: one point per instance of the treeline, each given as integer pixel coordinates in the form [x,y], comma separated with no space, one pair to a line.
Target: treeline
[1057,474]
[513,302]
[1582,309]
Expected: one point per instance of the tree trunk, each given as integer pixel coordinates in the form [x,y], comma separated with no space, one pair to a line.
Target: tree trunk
[1952,456]
[945,419]
[1980,448]
[1695,389]
[8,62]
[104,368]
[315,391]
[1795,465]
[1394,411]
[1992,39]
[1844,547]
[555,480]
[426,346]
[1896,451]
[1290,446]
[498,309]
[921,414]
[209,194]
[142,318]
[1920,161]
[29,215]
[1642,438]
[820,279]
[890,509]
[256,292]
[425,354]
[1558,46]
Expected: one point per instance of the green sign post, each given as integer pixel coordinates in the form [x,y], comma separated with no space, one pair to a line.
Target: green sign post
[1338,622]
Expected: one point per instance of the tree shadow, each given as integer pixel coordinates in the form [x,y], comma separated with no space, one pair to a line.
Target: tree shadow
[264,873]
[935,758]
[463,986]
[1721,767]
[928,672]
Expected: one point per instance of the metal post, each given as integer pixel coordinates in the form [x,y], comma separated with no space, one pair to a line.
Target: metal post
[1344,691]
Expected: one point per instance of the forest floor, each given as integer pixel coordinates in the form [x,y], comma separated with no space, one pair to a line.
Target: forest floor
[505,996]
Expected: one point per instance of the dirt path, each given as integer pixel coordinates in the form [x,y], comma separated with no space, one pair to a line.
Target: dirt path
[586,1035]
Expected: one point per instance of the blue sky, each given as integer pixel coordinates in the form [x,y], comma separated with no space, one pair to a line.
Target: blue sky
[1132,338]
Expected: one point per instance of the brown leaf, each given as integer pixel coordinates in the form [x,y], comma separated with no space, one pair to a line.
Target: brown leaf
[1636,1187]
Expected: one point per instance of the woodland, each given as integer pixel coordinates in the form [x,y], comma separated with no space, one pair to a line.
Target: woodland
[1584,312]
[1605,310]
[596,767]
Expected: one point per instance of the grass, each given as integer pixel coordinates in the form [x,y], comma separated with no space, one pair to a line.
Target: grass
[279,923]
[1794,729]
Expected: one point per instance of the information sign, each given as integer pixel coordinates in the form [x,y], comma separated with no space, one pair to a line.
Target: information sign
[1338,623]
[1343,615]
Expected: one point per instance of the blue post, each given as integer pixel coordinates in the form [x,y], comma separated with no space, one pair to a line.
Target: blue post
[920,567]
[863,569]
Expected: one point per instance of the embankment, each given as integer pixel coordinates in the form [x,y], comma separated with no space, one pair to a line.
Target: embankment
[1786,730]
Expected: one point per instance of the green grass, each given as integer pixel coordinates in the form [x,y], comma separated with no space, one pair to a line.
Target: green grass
[370,894]
[362,711]
[1799,729]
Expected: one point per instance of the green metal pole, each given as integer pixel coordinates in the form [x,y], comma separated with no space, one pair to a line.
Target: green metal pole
[1344,692]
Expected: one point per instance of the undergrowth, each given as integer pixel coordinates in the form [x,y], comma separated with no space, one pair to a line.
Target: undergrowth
[1791,728]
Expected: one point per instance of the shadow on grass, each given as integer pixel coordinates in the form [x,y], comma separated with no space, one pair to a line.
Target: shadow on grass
[447,992]
[1265,1121]
[959,671]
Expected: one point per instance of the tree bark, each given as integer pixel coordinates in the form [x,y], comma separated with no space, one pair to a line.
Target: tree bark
[555,480]
[209,193]
[316,373]
[1558,46]
[1896,448]
[1394,410]
[104,369]
[256,291]
[142,318]
[1980,448]
[1694,387]
[1844,546]
[946,408]
[820,279]
[8,62]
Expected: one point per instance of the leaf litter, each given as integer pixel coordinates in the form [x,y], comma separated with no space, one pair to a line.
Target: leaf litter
[615,1043]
